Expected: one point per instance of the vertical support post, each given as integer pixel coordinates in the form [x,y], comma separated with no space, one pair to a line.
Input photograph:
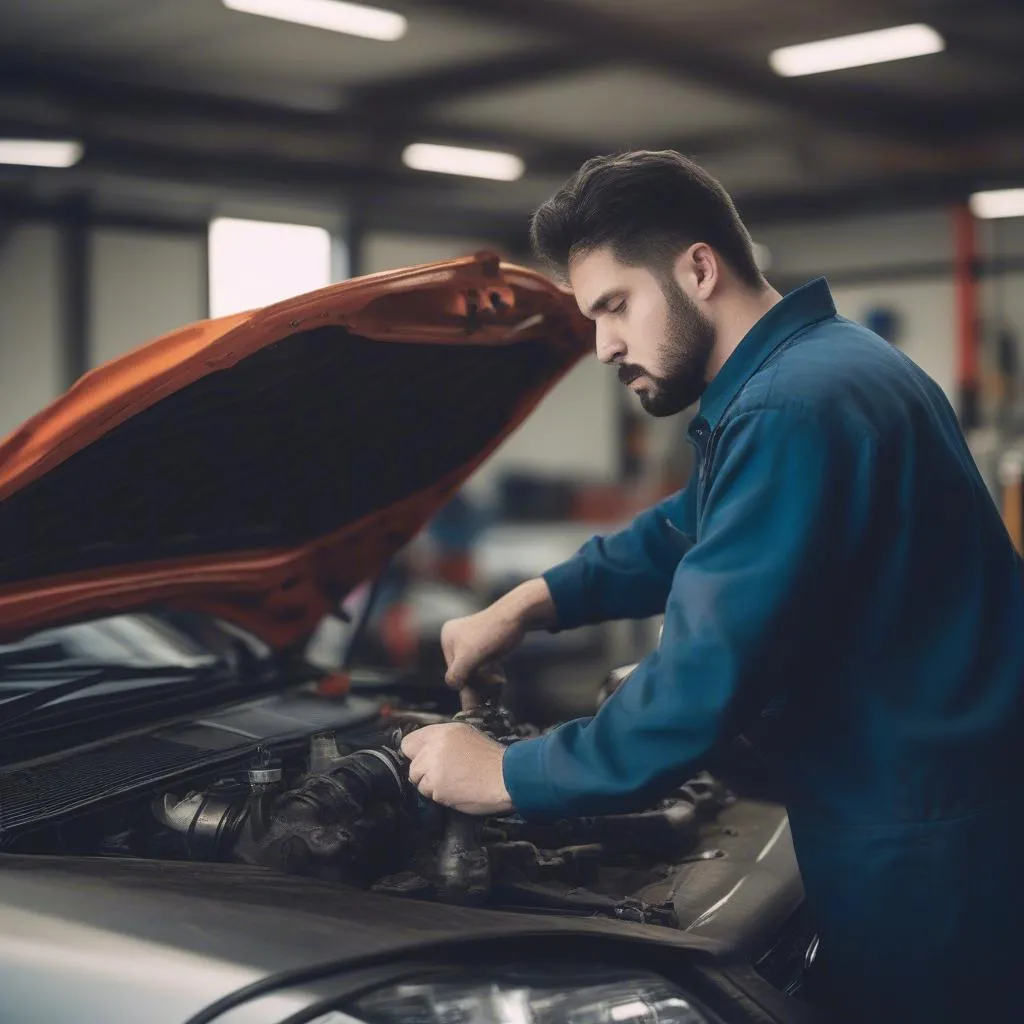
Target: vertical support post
[204,273]
[75,280]
[354,241]
[968,340]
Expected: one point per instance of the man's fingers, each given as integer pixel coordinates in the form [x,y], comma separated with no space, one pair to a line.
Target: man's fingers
[415,741]
[426,788]
[458,671]
[447,647]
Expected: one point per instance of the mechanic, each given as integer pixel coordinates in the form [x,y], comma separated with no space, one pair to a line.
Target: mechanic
[835,572]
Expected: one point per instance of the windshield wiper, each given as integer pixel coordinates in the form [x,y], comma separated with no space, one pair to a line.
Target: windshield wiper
[23,704]
[31,655]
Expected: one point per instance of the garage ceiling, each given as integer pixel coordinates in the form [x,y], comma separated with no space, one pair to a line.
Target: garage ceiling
[201,98]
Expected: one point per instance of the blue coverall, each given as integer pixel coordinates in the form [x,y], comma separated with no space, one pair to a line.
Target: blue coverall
[836,569]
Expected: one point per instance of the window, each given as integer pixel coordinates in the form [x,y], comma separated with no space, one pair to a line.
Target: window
[255,263]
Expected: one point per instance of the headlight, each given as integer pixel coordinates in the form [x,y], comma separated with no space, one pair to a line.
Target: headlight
[531,997]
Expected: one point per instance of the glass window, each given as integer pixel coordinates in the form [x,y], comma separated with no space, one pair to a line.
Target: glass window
[255,263]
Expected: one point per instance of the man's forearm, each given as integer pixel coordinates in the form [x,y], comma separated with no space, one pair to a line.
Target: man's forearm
[624,575]
[530,605]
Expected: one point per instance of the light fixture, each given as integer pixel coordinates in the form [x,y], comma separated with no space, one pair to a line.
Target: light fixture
[333,15]
[856,50]
[1003,202]
[40,152]
[472,163]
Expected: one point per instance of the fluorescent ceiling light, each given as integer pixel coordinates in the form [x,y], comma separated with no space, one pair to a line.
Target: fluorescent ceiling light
[40,152]
[472,163]
[333,15]
[856,51]
[1003,202]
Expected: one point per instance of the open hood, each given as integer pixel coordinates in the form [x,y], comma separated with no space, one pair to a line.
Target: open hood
[259,466]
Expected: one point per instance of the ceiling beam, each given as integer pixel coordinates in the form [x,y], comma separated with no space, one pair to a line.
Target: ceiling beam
[421,89]
[411,203]
[625,39]
[363,134]
[876,195]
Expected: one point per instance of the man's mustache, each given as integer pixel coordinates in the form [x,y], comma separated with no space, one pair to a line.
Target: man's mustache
[629,373]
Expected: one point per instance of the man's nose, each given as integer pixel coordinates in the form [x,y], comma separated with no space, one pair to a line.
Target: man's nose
[609,345]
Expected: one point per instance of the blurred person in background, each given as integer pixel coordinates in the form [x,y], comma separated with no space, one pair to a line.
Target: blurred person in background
[835,574]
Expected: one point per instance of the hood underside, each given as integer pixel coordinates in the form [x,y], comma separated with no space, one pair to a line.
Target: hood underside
[259,466]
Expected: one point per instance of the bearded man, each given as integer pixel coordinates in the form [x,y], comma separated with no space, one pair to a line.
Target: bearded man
[835,570]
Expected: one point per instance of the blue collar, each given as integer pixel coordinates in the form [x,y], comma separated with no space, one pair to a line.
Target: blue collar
[799,309]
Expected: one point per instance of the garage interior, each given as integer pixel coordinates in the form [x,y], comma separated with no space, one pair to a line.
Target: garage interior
[222,594]
[208,156]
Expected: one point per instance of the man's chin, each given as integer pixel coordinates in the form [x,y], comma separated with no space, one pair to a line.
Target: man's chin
[659,403]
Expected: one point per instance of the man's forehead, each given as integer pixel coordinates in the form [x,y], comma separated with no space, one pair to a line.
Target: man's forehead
[595,274]
[592,272]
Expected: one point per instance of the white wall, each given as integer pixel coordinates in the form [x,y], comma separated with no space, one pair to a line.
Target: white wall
[862,245]
[386,250]
[142,285]
[927,305]
[858,243]
[30,322]
[927,311]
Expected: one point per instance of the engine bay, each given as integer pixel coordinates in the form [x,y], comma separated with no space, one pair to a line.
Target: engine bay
[335,804]
[348,814]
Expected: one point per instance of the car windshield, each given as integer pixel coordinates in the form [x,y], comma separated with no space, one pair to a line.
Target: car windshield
[138,641]
[78,682]
[113,670]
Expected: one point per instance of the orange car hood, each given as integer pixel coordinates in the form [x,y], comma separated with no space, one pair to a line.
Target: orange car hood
[259,466]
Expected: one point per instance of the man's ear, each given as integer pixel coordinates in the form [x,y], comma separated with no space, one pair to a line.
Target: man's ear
[697,271]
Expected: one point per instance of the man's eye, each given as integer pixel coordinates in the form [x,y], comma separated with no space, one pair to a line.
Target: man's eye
[620,308]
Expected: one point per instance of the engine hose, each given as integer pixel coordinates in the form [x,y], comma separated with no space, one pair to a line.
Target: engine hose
[211,822]
[463,865]
[357,780]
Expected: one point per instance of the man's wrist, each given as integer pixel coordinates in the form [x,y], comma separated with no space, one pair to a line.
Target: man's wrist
[504,795]
[529,606]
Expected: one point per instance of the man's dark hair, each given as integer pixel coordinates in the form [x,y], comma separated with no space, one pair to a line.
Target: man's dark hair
[647,207]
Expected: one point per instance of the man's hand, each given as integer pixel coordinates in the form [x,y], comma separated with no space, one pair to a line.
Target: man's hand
[470,643]
[456,765]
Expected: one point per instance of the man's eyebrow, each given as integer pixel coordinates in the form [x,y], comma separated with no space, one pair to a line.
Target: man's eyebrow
[601,304]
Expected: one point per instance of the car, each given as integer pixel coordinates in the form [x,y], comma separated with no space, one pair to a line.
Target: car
[201,822]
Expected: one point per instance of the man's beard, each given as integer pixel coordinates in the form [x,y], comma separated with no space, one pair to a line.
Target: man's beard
[690,338]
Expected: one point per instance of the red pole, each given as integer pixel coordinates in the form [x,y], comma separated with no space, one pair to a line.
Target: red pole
[968,341]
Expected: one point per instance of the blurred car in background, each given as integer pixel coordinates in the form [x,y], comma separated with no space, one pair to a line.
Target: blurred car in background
[204,813]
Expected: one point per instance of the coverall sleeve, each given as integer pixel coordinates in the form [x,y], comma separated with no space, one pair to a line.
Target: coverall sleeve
[777,520]
[626,575]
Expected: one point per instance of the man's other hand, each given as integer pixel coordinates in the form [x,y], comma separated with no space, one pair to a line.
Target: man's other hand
[456,765]
[471,642]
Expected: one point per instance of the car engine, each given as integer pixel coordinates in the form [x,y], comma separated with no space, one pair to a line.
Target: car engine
[346,812]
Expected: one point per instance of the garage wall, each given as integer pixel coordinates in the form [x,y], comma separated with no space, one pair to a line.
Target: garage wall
[30,321]
[864,246]
[890,255]
[1004,239]
[385,250]
[142,285]
[572,433]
